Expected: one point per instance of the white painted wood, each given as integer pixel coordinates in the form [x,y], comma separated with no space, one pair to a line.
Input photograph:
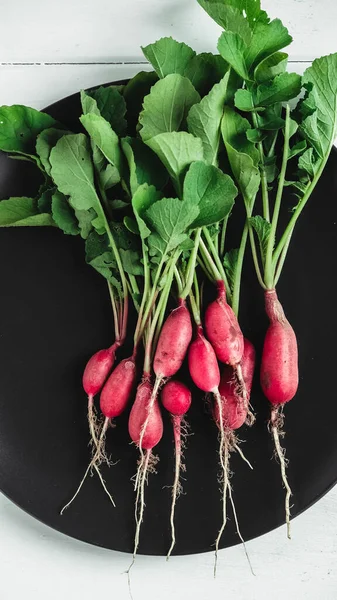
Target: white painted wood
[105,30]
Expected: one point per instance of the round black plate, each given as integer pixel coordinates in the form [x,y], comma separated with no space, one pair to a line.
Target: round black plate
[54,313]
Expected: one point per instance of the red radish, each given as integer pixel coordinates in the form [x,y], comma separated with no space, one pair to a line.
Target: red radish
[279,366]
[97,369]
[173,342]
[146,430]
[223,330]
[176,398]
[203,364]
[172,345]
[279,377]
[118,388]
[234,410]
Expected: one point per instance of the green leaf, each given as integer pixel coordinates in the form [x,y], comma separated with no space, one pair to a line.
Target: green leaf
[131,225]
[168,219]
[307,162]
[232,48]
[20,126]
[142,199]
[72,171]
[297,149]
[293,127]
[271,123]
[111,106]
[168,56]
[255,135]
[45,141]
[320,128]
[144,165]
[282,88]
[262,228]
[130,261]
[242,155]
[243,100]
[45,197]
[177,151]
[267,39]
[212,190]
[89,104]
[134,92]
[205,70]
[204,119]
[271,66]
[166,107]
[100,257]
[230,263]
[271,169]
[229,16]
[22,212]
[85,219]
[109,177]
[63,214]
[104,137]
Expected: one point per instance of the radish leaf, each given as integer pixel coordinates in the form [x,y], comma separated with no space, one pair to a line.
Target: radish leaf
[168,56]
[134,92]
[142,199]
[111,106]
[213,191]
[205,70]
[232,48]
[230,263]
[20,126]
[63,214]
[229,16]
[166,107]
[45,141]
[271,67]
[282,88]
[144,165]
[104,137]
[22,212]
[262,228]
[267,39]
[204,119]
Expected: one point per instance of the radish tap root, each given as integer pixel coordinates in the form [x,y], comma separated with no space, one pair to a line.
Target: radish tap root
[276,423]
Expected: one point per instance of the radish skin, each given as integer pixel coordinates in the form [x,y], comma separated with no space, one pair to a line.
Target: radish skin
[202,363]
[223,330]
[118,388]
[176,398]
[279,378]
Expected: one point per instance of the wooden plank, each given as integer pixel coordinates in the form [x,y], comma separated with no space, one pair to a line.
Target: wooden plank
[105,30]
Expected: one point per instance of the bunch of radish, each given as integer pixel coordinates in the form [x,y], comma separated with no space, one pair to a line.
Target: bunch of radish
[150,187]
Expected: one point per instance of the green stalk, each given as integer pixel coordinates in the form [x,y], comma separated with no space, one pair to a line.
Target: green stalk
[196,291]
[269,271]
[255,257]
[217,260]
[282,259]
[195,310]
[223,237]
[191,266]
[145,293]
[114,311]
[238,271]
[264,183]
[152,294]
[179,280]
[209,262]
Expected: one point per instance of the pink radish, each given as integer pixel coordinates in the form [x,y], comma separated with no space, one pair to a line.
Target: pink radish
[223,330]
[95,373]
[146,430]
[279,366]
[203,364]
[172,345]
[234,411]
[176,398]
[279,377]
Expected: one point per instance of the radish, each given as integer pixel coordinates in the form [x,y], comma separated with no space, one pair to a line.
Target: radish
[223,330]
[113,401]
[171,349]
[203,364]
[176,398]
[279,377]
[146,430]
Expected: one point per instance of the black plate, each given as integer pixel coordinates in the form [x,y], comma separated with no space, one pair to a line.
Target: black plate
[54,313]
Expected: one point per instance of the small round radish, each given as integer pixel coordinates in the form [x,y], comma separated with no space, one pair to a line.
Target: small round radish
[97,369]
[138,415]
[203,364]
[223,329]
[118,388]
[176,397]
[173,342]
[234,409]
[279,366]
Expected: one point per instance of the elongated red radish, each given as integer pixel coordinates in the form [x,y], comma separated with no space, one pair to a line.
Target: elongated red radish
[234,409]
[146,430]
[176,398]
[114,398]
[95,373]
[223,330]
[279,365]
[279,378]
[202,363]
[172,345]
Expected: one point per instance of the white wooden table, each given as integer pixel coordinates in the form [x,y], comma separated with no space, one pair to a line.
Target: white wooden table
[49,50]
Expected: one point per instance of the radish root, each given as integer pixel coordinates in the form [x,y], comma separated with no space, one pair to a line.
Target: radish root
[149,411]
[224,462]
[242,392]
[178,426]
[95,461]
[238,527]
[276,424]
